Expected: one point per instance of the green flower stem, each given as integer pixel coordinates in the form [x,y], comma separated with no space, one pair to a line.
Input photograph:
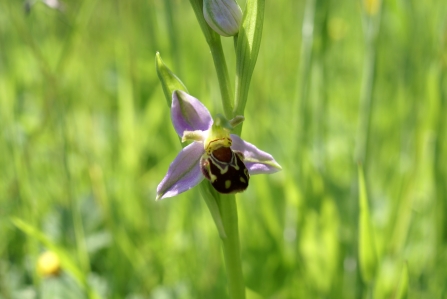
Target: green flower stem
[232,254]
[215,44]
[227,204]
[222,75]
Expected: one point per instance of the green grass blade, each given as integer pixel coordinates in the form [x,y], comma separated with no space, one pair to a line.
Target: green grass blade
[367,250]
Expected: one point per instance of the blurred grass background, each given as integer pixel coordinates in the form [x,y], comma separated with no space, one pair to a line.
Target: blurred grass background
[86,137]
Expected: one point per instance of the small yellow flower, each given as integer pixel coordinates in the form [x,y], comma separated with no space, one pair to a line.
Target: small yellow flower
[48,264]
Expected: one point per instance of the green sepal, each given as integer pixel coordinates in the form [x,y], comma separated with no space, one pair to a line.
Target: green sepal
[169,81]
[211,197]
[367,250]
[248,43]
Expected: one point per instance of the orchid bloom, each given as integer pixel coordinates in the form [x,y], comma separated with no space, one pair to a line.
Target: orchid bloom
[222,158]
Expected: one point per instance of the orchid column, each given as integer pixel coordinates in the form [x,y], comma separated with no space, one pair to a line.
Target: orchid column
[216,158]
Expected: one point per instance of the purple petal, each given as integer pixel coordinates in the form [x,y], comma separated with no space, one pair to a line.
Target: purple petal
[183,173]
[188,113]
[256,161]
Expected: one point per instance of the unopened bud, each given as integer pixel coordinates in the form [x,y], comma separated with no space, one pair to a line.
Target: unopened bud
[223,16]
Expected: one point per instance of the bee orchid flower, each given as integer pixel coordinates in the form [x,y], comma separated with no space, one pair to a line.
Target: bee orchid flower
[215,154]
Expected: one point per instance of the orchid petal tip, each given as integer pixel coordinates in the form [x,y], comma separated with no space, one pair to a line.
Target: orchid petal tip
[277,165]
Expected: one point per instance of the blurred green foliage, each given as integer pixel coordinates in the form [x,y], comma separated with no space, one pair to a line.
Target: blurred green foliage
[86,137]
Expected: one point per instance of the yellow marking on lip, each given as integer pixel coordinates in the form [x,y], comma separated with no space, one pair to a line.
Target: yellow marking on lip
[214,144]
[213,177]
[227,184]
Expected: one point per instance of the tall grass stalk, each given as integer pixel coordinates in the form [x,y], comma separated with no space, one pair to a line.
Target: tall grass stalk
[371,26]
[371,15]
[439,157]
[305,68]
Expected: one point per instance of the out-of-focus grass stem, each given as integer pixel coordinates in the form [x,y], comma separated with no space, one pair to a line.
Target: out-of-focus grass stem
[301,121]
[320,111]
[172,34]
[78,26]
[440,159]
[371,27]
[306,57]
[20,166]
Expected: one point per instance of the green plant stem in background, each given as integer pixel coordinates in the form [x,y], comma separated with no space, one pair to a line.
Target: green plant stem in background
[367,255]
[439,160]
[306,57]
[371,29]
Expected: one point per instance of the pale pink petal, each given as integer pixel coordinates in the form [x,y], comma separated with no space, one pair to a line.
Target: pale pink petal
[188,113]
[256,161]
[183,173]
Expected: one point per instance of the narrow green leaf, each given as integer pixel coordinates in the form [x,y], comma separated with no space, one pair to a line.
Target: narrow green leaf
[210,197]
[169,81]
[248,43]
[68,263]
[367,250]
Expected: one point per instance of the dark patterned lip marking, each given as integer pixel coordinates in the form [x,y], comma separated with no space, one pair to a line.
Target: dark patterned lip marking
[223,154]
[226,170]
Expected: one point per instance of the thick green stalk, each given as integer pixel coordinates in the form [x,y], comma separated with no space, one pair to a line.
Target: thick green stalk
[232,254]
[227,204]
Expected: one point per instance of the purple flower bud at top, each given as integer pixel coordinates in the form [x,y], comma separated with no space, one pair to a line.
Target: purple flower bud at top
[223,16]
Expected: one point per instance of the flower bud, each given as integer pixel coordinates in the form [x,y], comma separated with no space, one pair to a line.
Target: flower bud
[223,16]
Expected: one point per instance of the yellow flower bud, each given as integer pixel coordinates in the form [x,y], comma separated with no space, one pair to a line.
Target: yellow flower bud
[48,264]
